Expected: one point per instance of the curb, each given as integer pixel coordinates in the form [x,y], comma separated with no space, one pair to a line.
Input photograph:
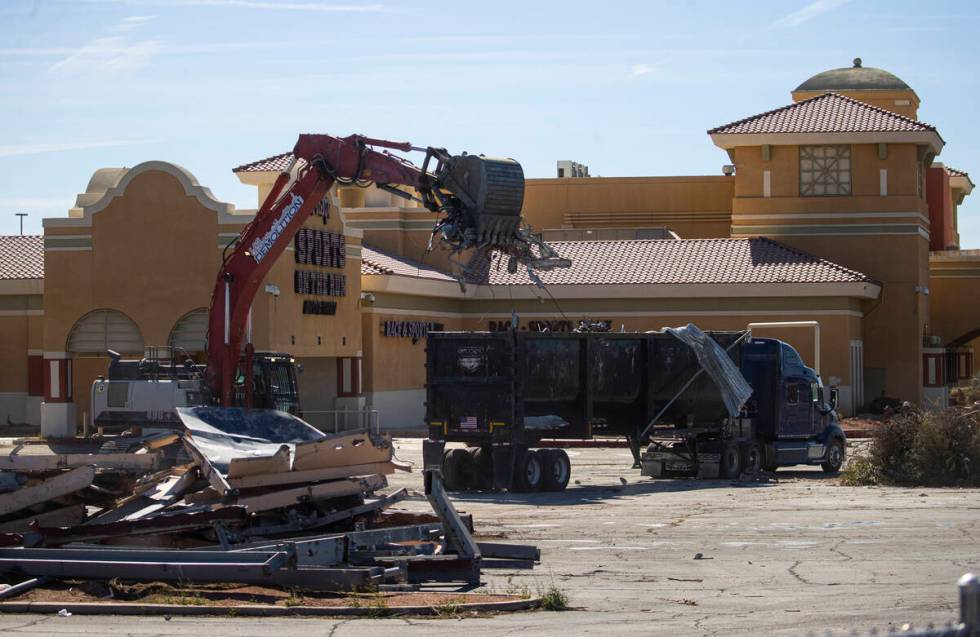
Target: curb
[251,610]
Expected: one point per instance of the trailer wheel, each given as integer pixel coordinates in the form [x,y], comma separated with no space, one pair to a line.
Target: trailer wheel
[557,469]
[835,457]
[731,461]
[751,458]
[481,466]
[528,473]
[454,469]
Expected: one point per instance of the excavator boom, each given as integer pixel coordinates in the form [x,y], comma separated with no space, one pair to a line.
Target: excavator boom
[480,199]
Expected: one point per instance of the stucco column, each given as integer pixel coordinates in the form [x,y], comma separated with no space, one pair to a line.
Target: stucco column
[58,409]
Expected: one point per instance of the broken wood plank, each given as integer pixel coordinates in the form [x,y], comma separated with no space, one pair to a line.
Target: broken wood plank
[276,463]
[158,497]
[61,484]
[339,451]
[48,536]
[204,496]
[327,518]
[313,475]
[40,462]
[153,443]
[65,516]
[287,497]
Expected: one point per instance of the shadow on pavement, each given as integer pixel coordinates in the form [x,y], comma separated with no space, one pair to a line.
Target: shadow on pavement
[583,494]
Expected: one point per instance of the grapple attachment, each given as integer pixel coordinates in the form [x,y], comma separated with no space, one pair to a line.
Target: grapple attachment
[482,199]
[492,193]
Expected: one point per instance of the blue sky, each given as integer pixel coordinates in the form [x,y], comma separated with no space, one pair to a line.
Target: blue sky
[628,88]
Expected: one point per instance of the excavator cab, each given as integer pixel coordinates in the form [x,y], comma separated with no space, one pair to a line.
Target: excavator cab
[274,383]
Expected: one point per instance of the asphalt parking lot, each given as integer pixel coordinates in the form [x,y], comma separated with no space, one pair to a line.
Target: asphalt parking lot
[797,556]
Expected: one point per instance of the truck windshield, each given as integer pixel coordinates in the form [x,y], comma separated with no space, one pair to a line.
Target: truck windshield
[792,363]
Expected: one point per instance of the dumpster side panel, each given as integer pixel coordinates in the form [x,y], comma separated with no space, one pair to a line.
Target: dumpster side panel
[555,385]
[619,382]
[470,384]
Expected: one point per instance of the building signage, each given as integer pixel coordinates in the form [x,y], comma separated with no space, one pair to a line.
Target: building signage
[415,330]
[316,247]
[322,208]
[548,326]
[328,308]
[319,283]
[262,245]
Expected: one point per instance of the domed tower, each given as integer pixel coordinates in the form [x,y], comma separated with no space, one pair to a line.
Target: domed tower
[869,85]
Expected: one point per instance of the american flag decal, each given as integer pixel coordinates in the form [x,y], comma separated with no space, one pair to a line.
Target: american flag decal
[467,422]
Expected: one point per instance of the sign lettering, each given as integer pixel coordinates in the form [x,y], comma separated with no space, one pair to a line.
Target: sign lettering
[262,245]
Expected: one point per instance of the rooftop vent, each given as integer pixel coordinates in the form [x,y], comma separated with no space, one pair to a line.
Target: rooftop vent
[572,169]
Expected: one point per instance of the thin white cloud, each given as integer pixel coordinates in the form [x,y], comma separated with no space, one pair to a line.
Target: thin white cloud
[290,6]
[808,13]
[16,150]
[268,5]
[118,53]
[130,23]
[639,70]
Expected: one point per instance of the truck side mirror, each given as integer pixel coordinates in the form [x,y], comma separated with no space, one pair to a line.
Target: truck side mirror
[834,398]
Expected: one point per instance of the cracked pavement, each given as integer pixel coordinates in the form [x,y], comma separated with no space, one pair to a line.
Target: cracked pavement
[798,556]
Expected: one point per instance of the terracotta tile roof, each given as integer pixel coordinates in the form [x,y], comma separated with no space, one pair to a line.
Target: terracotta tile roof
[662,261]
[687,261]
[276,163]
[827,113]
[21,257]
[956,173]
[374,261]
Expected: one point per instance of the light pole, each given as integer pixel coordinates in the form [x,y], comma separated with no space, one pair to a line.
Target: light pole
[21,215]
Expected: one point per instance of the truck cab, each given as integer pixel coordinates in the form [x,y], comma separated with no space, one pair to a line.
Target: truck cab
[792,417]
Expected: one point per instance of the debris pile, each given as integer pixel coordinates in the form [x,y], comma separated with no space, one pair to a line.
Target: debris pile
[245,496]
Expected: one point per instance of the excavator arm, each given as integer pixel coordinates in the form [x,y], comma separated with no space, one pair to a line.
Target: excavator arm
[480,200]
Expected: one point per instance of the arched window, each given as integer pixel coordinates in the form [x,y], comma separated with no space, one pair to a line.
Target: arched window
[102,330]
[189,332]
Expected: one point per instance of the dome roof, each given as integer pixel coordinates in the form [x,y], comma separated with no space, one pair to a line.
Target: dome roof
[854,78]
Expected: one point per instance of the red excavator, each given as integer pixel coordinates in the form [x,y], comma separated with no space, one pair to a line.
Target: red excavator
[479,200]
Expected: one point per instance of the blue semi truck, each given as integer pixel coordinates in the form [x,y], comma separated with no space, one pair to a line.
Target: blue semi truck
[720,406]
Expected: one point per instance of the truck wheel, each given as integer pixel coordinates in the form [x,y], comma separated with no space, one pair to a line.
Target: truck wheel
[528,474]
[769,459]
[454,469]
[835,457]
[731,461]
[481,466]
[751,458]
[557,469]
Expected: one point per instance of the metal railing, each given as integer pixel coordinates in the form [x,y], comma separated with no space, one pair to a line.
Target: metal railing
[341,420]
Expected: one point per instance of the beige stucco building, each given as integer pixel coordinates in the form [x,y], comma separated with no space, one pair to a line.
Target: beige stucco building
[834,211]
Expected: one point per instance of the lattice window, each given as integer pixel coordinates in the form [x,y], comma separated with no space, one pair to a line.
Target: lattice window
[825,170]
